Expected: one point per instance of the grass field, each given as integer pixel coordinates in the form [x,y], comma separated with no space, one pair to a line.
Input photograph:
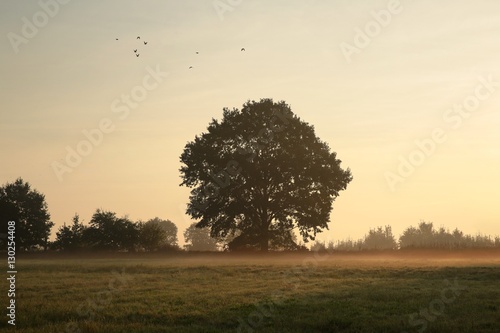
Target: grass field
[307,292]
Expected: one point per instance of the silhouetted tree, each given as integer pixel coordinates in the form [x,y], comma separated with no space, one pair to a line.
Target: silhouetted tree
[261,170]
[158,234]
[426,233]
[27,207]
[423,236]
[349,245]
[377,239]
[409,238]
[318,246]
[380,239]
[426,237]
[198,239]
[108,232]
[482,241]
[70,238]
[443,239]
[151,235]
[170,229]
[458,238]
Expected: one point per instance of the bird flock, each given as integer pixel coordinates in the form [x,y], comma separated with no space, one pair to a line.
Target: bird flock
[137,50]
[137,54]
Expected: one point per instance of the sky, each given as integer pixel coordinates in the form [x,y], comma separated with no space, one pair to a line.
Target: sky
[407,93]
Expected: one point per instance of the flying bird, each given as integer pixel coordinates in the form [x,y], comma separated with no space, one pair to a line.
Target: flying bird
[190,67]
[197,52]
[145,43]
[137,55]
[117,39]
[243,49]
[135,50]
[138,37]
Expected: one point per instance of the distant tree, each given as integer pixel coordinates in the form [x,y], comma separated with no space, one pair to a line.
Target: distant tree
[198,239]
[108,232]
[27,207]
[425,236]
[420,237]
[380,239]
[318,246]
[70,238]
[262,172]
[458,238]
[170,230]
[377,239]
[153,235]
[483,241]
[349,245]
[444,239]
[426,233]
[409,238]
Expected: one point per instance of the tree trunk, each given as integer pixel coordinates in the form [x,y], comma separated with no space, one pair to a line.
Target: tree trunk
[264,241]
[264,234]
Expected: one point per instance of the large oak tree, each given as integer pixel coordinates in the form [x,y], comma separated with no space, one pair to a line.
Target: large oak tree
[260,173]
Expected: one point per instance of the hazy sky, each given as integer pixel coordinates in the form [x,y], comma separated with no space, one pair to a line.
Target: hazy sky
[373,77]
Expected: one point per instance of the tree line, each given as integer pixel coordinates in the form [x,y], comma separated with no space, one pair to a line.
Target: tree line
[108,232]
[105,231]
[424,236]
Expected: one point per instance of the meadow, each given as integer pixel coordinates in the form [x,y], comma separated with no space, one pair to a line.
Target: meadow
[305,292]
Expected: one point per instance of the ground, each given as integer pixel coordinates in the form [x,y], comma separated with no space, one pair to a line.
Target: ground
[306,292]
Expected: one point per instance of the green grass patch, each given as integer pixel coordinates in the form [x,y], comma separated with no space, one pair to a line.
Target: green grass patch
[222,293]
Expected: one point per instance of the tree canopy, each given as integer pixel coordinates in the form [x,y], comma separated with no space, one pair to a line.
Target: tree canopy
[70,238]
[28,209]
[198,239]
[262,172]
[109,232]
[158,234]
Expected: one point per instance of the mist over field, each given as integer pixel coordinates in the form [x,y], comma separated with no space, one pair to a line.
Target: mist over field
[225,292]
